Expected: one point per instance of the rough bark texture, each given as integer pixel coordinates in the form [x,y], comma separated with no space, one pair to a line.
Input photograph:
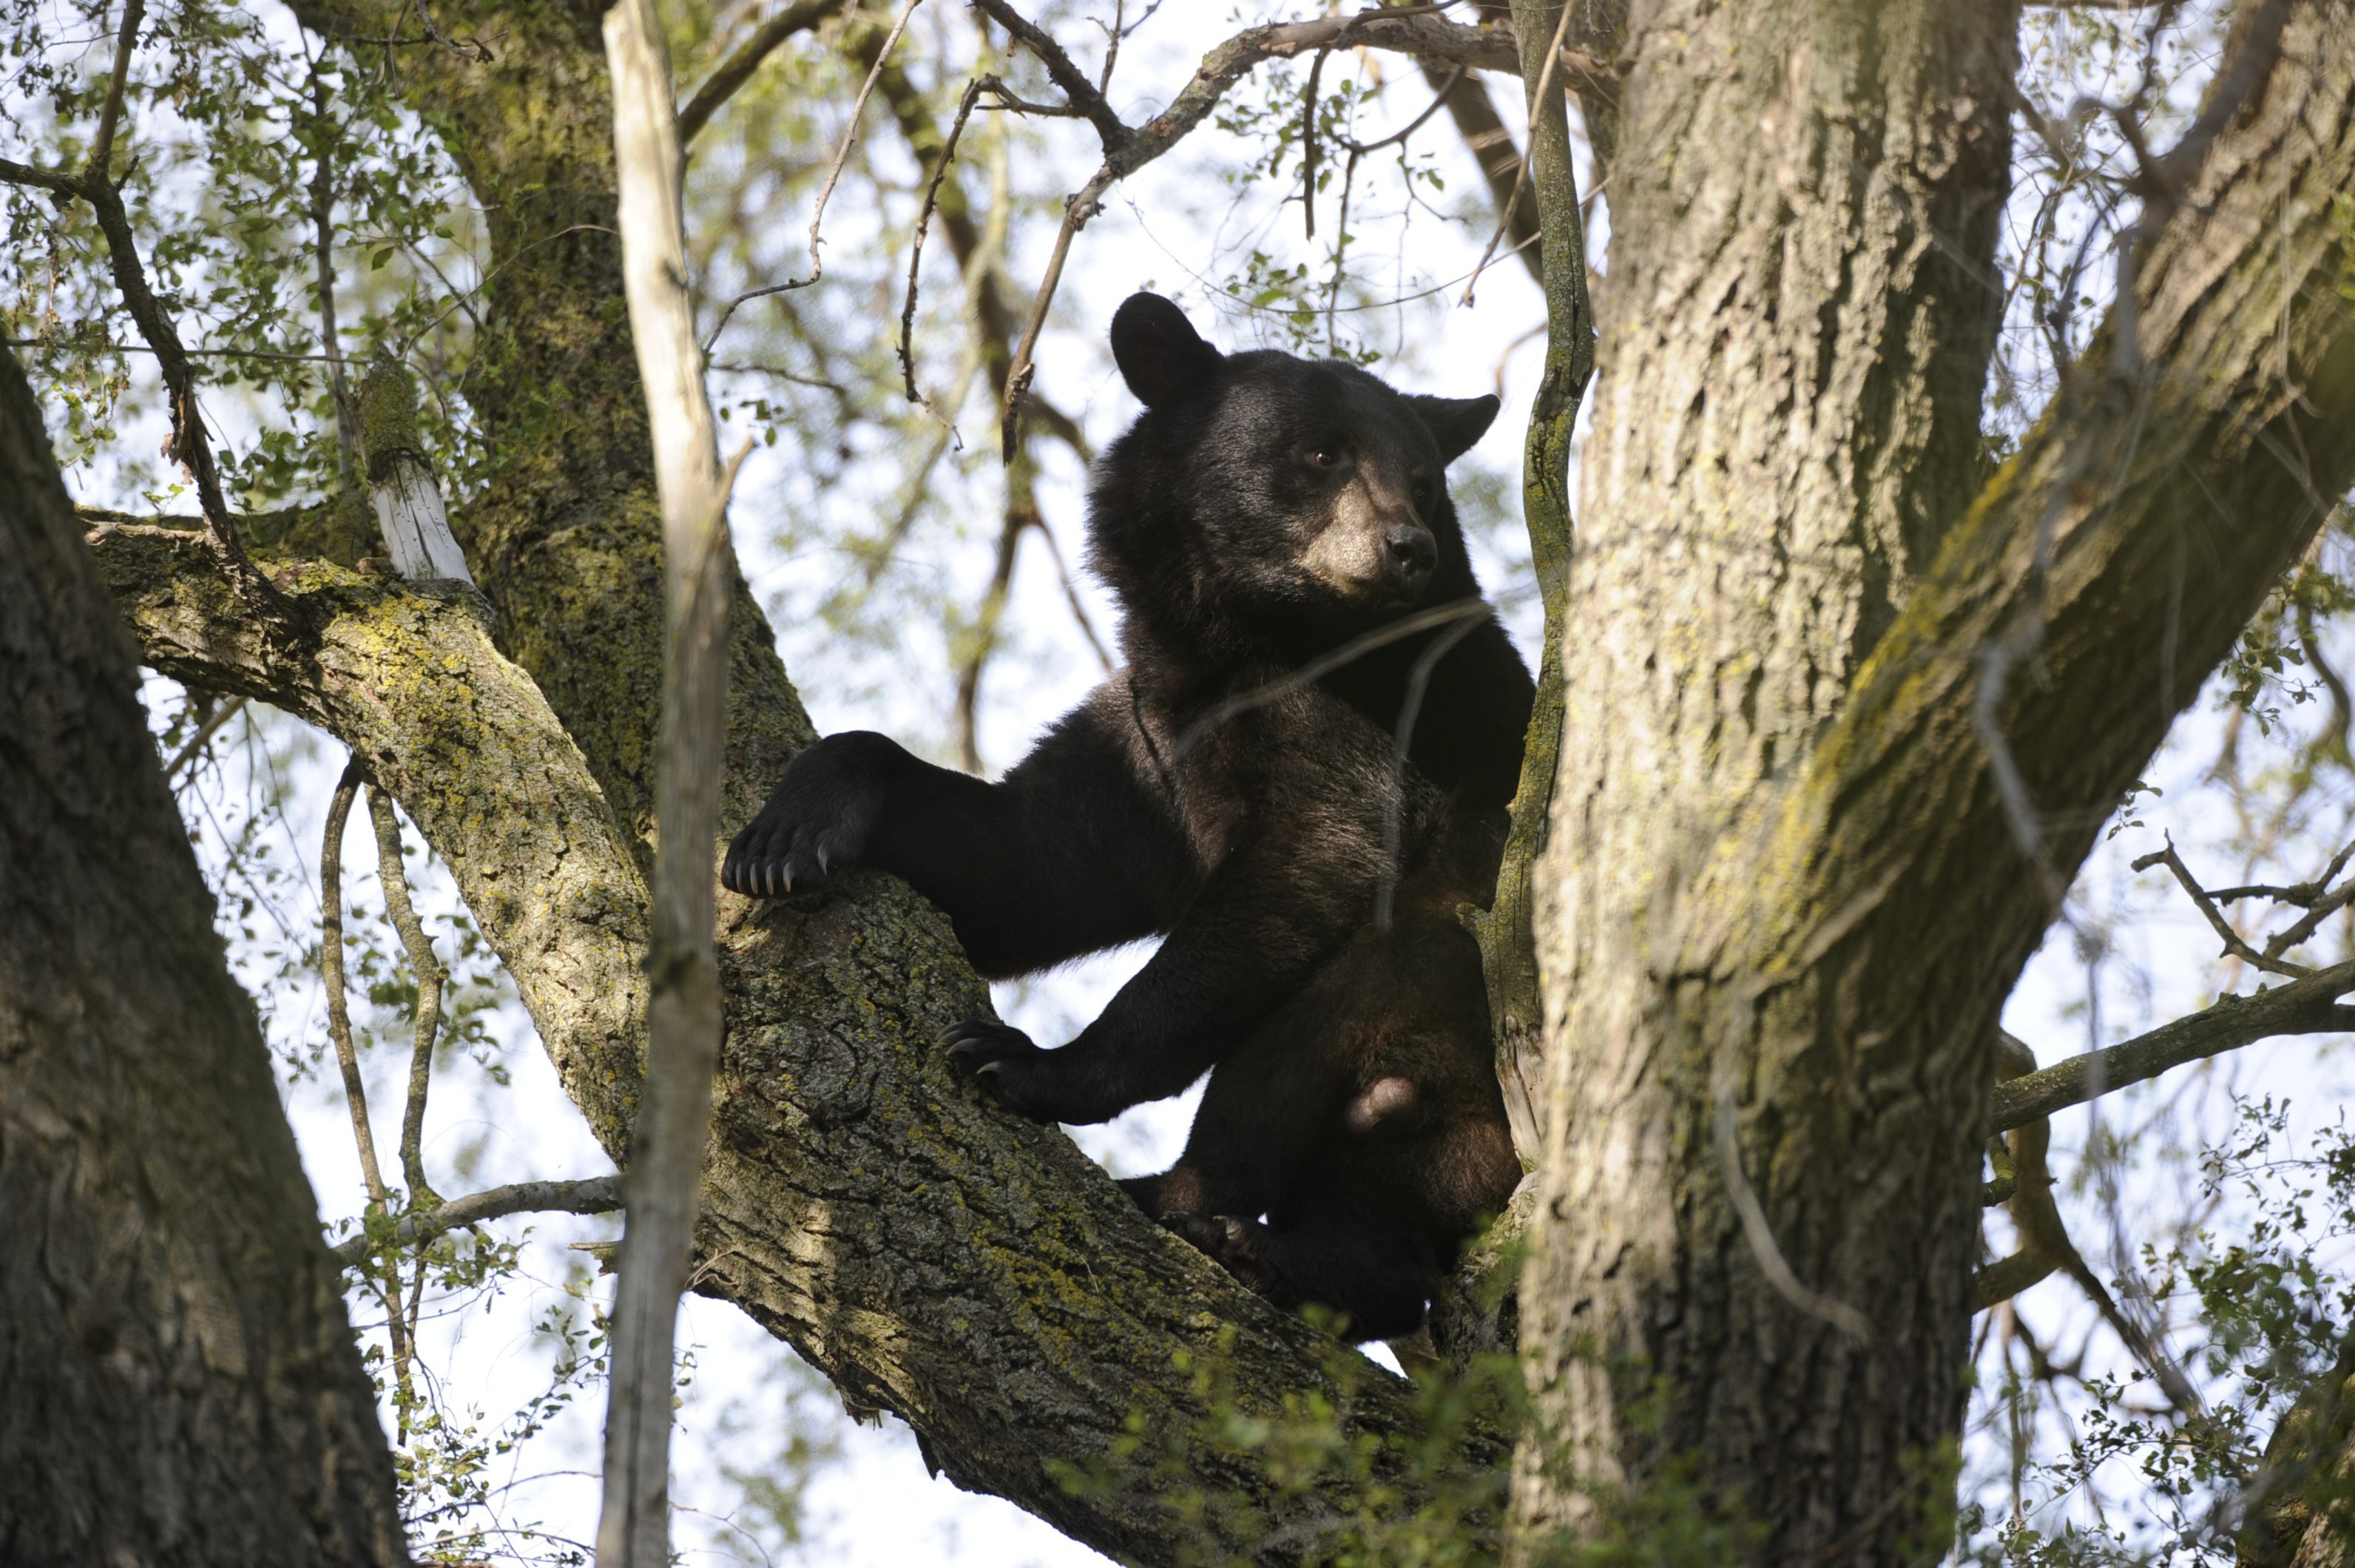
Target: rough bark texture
[933,1255]
[1781,882]
[182,1385]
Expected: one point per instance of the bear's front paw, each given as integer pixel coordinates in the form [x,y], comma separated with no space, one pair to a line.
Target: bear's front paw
[818,823]
[1022,1076]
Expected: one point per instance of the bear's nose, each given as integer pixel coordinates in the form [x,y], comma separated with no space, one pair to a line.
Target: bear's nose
[1409,554]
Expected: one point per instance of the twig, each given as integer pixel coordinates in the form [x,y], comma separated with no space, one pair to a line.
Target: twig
[826,192]
[972,91]
[473,50]
[204,731]
[1084,94]
[2306,1006]
[1325,664]
[1760,1233]
[736,69]
[2267,961]
[1021,515]
[2302,894]
[2163,181]
[1072,595]
[1418,683]
[1308,144]
[101,146]
[426,965]
[1505,213]
[596,1195]
[187,445]
[1076,213]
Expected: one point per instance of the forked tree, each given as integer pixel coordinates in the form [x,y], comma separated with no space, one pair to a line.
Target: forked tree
[1835,699]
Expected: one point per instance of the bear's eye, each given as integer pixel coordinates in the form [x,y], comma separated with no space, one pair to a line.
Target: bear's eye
[1323,455]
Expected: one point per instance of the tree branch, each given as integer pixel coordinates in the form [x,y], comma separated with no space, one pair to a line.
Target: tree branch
[929,1254]
[2131,518]
[736,69]
[683,1013]
[2306,1006]
[595,1195]
[1409,30]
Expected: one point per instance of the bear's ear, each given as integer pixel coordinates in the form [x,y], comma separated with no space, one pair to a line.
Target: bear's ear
[1456,423]
[1160,355]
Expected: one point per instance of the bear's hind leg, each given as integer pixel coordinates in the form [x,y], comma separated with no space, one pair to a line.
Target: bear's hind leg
[1381,1280]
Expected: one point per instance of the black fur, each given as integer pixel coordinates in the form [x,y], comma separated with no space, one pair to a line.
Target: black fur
[1262,512]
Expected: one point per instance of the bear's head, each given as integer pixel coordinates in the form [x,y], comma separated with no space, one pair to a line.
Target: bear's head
[1265,498]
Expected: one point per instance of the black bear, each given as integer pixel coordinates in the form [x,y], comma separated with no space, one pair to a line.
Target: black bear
[1296,600]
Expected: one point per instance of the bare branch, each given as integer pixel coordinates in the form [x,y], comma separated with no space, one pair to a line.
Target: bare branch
[1084,95]
[331,968]
[188,447]
[221,714]
[736,69]
[826,192]
[2234,945]
[1504,207]
[2310,1005]
[2045,1245]
[596,1195]
[1409,29]
[126,39]
[427,967]
[684,1007]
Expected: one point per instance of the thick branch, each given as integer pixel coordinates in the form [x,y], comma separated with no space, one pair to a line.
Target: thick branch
[931,1254]
[2135,519]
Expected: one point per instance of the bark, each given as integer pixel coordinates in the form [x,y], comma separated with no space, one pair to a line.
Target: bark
[1781,887]
[182,1383]
[932,1254]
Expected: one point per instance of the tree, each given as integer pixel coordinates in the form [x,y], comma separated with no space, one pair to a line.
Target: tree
[183,1383]
[1843,692]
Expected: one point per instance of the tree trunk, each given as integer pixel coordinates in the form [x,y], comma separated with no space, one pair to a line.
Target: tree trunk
[182,1385]
[1783,899]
